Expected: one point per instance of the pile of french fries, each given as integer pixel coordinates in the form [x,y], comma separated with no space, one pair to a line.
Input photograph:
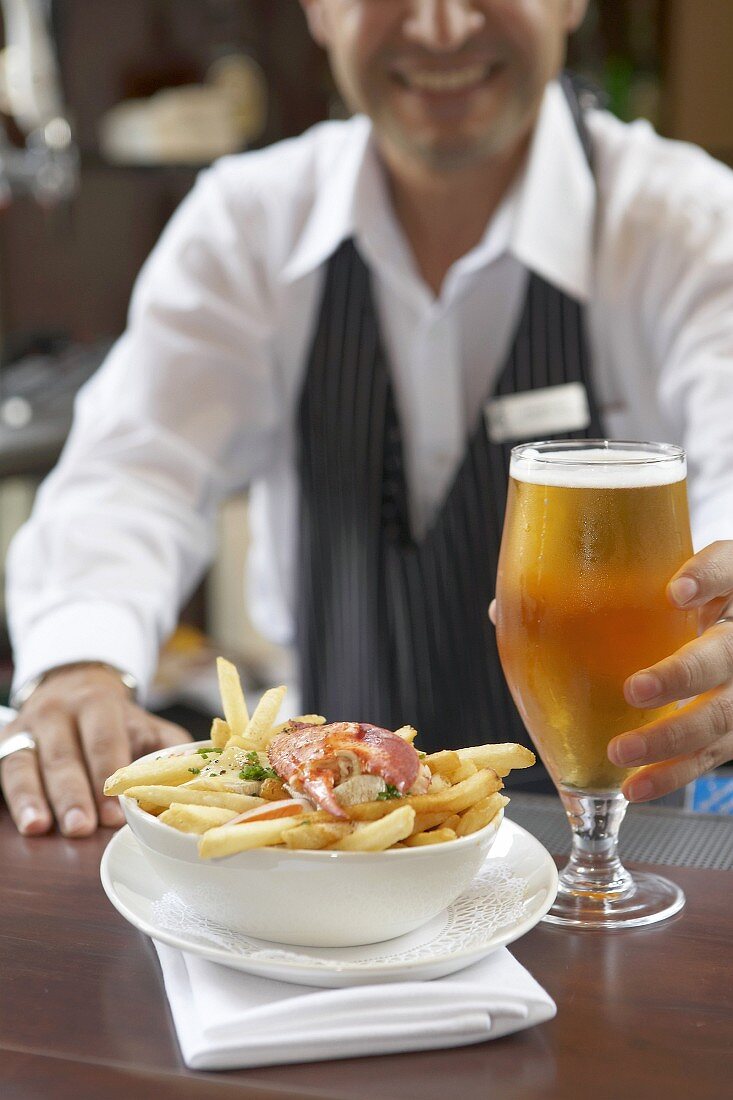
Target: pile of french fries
[462,798]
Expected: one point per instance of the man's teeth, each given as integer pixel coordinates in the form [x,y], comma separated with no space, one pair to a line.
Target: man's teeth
[448,81]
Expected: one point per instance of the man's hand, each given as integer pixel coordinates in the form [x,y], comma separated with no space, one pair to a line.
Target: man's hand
[85,726]
[698,736]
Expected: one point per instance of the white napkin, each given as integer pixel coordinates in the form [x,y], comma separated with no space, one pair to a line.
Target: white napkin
[226,1019]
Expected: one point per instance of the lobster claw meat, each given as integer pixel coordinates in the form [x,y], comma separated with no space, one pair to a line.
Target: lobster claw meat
[313,760]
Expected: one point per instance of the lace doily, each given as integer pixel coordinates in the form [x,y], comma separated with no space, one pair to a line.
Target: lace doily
[497,898]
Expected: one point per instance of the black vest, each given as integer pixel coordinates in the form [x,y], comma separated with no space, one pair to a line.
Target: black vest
[392,630]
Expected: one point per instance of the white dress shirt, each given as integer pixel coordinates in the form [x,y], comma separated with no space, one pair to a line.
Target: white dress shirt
[199,396]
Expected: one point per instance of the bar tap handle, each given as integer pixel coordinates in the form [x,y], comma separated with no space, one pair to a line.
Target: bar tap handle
[31,93]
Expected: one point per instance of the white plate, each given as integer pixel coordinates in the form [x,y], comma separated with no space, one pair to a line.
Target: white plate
[512,892]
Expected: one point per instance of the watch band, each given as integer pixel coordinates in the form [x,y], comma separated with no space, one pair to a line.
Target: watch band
[22,694]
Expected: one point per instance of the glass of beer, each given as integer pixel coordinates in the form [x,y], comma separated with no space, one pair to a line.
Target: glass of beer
[594,531]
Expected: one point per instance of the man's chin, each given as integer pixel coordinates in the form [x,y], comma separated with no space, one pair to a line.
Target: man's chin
[447,154]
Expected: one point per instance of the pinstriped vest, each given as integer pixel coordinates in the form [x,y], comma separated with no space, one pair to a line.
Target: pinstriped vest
[392,630]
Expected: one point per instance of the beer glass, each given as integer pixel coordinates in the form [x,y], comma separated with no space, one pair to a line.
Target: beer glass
[594,531]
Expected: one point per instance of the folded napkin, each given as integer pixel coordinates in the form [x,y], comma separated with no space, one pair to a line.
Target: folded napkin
[226,1019]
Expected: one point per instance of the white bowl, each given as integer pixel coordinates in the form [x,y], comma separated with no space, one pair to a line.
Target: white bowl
[312,898]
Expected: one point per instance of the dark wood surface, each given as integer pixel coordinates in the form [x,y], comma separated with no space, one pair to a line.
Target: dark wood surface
[83,1011]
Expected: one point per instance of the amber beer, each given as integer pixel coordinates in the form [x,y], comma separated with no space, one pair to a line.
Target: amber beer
[591,539]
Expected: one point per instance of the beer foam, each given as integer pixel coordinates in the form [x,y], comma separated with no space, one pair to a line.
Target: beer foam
[598,469]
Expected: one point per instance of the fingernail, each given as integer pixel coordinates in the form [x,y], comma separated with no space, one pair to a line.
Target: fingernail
[628,750]
[639,789]
[683,590]
[75,821]
[644,687]
[28,819]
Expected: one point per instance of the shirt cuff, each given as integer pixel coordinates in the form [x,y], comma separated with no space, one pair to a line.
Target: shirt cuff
[105,632]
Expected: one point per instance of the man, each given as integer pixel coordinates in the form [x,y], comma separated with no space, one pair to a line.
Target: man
[325,321]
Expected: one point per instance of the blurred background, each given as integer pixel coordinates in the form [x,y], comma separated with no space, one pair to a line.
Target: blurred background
[109,110]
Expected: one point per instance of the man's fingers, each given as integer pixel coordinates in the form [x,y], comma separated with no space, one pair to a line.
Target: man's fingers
[659,779]
[148,733]
[691,728]
[21,783]
[700,665]
[168,734]
[706,576]
[64,774]
[709,613]
[106,744]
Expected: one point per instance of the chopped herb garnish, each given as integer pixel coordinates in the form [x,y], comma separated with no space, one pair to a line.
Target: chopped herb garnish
[388,792]
[205,752]
[195,771]
[253,770]
[421,754]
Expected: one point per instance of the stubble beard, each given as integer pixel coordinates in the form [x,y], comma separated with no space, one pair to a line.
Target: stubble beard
[444,158]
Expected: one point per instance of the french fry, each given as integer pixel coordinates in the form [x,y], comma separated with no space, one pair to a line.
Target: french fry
[195,819]
[423,822]
[164,796]
[315,835]
[259,728]
[449,800]
[443,763]
[435,836]
[305,719]
[229,782]
[150,808]
[465,769]
[480,814]
[501,758]
[171,770]
[458,797]
[376,836]
[220,733]
[373,811]
[438,782]
[407,733]
[232,697]
[226,840]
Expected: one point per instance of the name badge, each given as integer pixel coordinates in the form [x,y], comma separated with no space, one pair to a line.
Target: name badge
[536,414]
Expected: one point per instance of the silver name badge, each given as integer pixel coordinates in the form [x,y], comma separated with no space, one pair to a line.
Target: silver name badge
[537,413]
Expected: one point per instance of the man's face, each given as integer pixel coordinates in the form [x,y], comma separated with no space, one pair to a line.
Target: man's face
[450,82]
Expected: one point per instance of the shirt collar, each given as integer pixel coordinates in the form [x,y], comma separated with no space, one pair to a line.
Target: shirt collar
[332,217]
[553,231]
[546,220]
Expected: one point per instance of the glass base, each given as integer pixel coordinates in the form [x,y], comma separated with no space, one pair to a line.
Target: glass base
[595,889]
[645,899]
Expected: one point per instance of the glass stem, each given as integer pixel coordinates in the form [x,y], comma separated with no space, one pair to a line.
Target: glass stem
[594,867]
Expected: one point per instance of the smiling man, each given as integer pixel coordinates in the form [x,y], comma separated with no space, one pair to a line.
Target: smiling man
[453,92]
[358,324]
